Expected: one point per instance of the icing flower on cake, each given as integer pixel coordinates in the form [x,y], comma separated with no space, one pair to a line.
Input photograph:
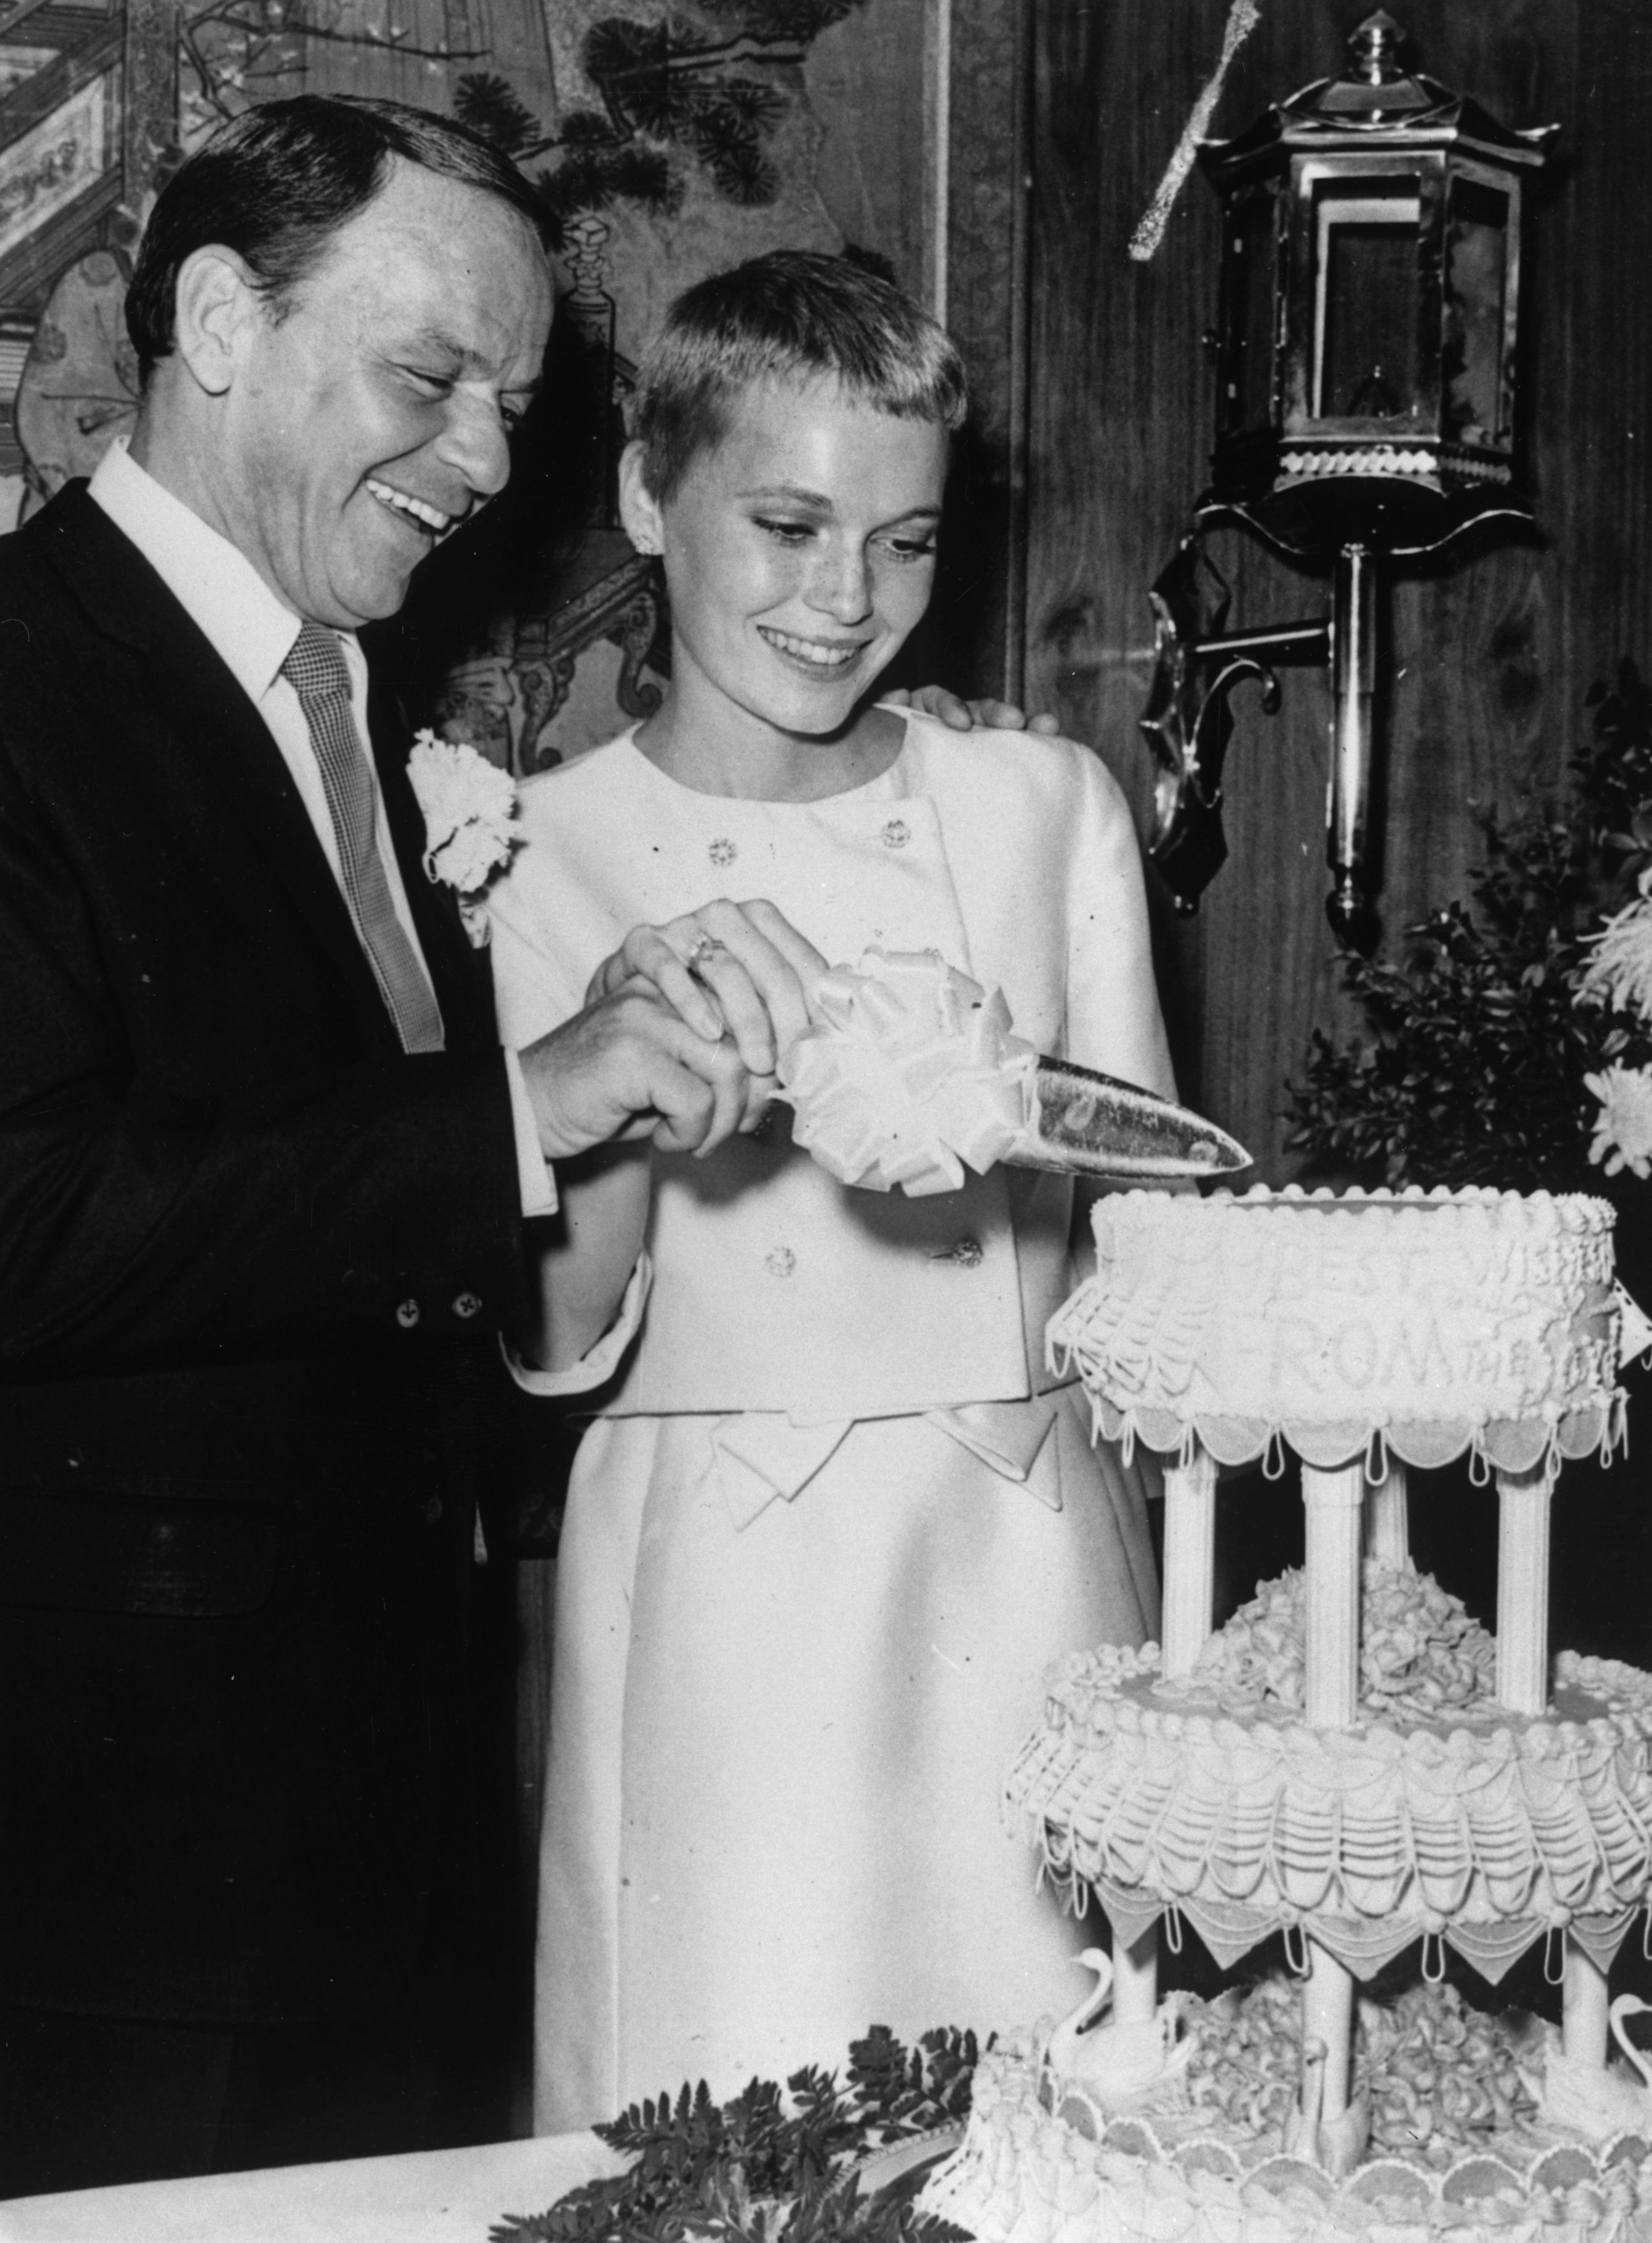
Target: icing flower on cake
[909,1075]
[1440,2075]
[469,807]
[1419,1651]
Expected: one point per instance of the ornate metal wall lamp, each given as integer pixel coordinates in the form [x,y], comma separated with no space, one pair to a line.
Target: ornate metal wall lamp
[1365,352]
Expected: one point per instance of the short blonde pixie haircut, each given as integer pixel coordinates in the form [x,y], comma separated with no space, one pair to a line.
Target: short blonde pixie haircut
[795,315]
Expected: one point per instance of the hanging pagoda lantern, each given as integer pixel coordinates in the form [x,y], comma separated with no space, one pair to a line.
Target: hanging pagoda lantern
[1369,309]
[1366,350]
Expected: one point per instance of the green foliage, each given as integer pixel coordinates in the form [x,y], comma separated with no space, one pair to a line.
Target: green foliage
[597,171]
[1614,775]
[1473,1070]
[668,91]
[486,102]
[746,2170]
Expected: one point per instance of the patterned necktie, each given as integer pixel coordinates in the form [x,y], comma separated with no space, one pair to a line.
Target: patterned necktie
[316,670]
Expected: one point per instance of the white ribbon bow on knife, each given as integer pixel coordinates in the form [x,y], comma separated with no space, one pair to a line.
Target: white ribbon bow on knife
[911,1073]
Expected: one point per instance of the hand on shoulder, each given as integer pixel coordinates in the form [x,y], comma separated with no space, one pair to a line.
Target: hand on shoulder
[975,715]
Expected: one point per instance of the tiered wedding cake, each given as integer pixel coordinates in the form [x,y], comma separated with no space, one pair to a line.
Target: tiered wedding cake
[1351,1761]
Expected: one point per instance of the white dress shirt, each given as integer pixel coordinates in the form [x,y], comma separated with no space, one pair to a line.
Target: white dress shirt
[253,632]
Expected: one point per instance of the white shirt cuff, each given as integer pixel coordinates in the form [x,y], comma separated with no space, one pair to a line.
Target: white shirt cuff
[598,1364]
[533,1170]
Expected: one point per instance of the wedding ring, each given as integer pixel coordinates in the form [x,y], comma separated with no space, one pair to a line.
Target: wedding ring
[702,949]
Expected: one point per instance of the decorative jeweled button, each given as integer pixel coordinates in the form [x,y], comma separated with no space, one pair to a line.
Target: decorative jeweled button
[967,1252]
[780,1262]
[722,852]
[896,833]
[407,1315]
[467,1305]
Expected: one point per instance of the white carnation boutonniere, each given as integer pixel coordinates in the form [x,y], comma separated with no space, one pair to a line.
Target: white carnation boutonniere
[469,806]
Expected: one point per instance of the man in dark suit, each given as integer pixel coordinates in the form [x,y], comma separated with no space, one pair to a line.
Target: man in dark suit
[264,1174]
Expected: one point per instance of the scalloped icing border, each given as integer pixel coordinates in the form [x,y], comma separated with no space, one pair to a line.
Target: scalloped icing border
[1507,1444]
[1021,2176]
[1488,1834]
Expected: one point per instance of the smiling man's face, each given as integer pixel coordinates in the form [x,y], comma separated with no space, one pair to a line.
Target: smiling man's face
[370,419]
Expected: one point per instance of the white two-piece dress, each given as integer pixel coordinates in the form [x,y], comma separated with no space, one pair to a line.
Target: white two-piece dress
[836,1518]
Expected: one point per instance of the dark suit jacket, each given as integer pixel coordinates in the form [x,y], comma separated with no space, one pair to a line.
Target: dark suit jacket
[252,1259]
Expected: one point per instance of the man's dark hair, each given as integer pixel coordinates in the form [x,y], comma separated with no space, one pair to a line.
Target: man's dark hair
[277,183]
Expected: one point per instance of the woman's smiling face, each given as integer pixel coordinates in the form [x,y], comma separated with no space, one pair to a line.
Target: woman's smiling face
[799,554]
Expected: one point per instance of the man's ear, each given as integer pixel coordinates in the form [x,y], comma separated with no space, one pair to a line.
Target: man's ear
[640,510]
[218,306]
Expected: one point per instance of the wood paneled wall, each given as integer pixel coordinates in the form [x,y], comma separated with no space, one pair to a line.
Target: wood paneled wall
[1490,656]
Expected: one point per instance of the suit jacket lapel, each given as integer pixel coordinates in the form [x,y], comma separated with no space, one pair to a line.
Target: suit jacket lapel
[196,695]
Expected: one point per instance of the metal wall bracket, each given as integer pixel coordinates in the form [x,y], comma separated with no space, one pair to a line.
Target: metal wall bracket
[1188,723]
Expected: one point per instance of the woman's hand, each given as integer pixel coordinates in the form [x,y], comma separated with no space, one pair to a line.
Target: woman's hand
[975,715]
[741,971]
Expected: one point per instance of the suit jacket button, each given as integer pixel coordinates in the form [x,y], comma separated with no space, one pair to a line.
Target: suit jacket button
[407,1315]
[433,1511]
[467,1305]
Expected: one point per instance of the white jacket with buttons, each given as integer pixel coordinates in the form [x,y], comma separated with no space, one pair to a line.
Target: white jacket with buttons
[776,1287]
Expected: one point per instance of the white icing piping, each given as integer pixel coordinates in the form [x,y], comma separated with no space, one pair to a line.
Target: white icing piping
[1607,1438]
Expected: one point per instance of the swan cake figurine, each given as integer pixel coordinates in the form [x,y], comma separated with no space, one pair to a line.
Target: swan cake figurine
[1601,2101]
[1122,2065]
[1335,2145]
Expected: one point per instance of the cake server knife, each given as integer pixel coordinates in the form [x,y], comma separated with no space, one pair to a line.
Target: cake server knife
[1088,1124]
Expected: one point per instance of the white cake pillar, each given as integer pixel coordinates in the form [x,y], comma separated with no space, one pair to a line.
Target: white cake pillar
[1328,2014]
[1135,1979]
[1584,2007]
[1190,1561]
[1387,1517]
[1189,1604]
[1522,1591]
[1332,1501]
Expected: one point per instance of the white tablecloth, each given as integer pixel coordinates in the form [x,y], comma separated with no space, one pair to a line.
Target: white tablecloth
[440,2196]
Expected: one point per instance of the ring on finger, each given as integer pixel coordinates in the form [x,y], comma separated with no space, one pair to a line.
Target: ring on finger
[705,946]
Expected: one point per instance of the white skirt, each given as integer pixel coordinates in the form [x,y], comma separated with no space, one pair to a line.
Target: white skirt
[777,1749]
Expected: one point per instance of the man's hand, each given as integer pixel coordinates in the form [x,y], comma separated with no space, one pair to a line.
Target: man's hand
[628,1066]
[736,970]
[973,716]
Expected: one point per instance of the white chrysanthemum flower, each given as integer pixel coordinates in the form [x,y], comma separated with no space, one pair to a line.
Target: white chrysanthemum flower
[469,806]
[1619,973]
[1623,1127]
